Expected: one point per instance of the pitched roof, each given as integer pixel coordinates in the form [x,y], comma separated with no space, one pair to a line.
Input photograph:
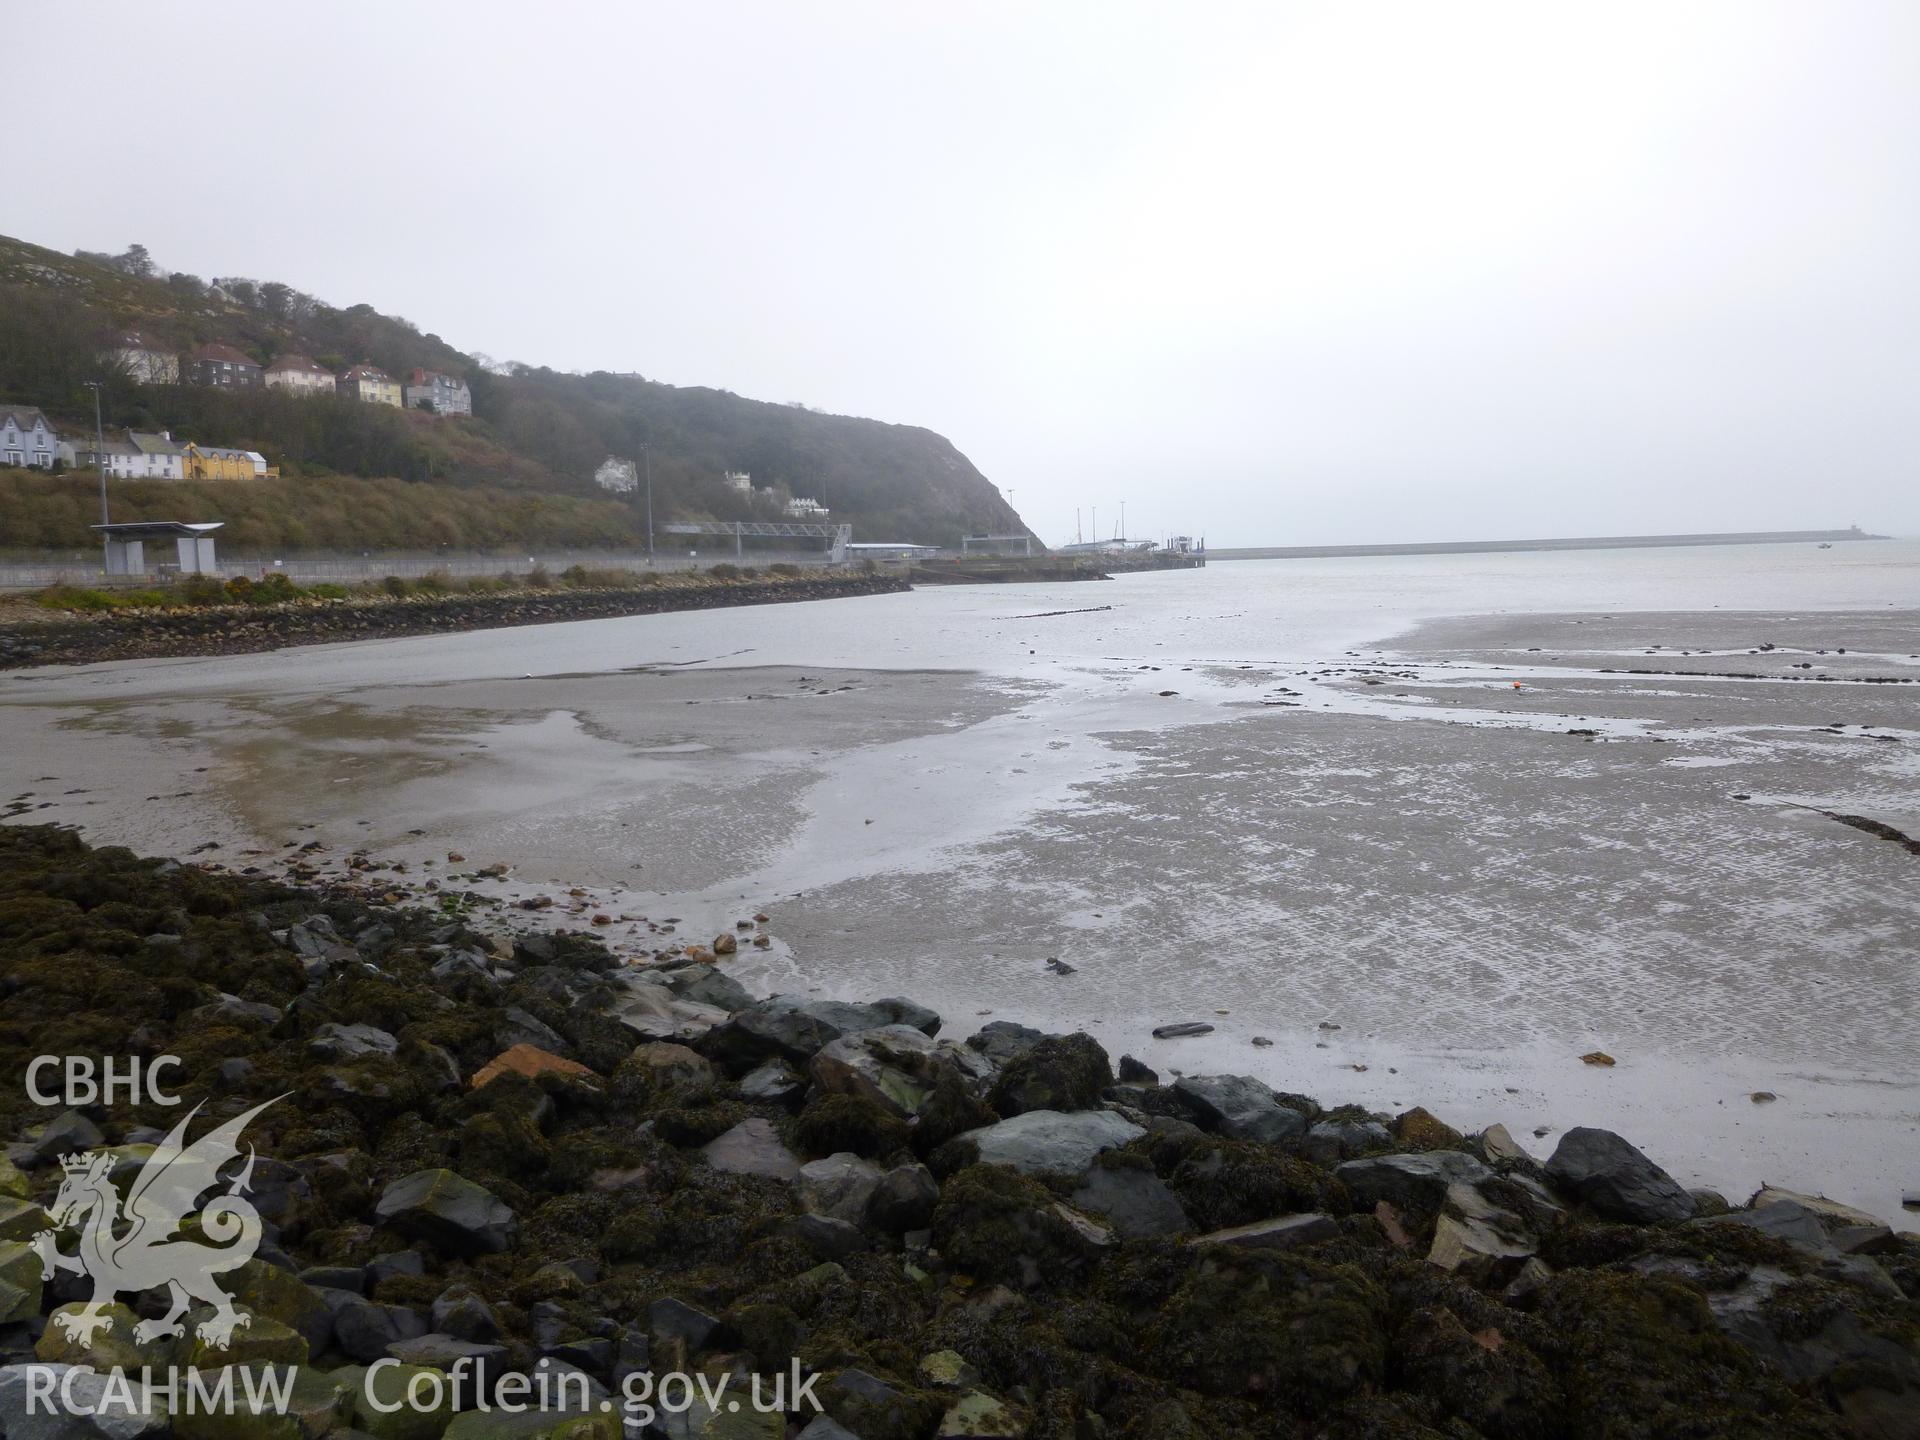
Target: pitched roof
[222,352]
[150,444]
[24,416]
[302,363]
[429,377]
[364,371]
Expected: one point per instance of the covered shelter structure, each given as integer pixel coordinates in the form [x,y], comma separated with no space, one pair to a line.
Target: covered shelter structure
[891,550]
[126,543]
[835,537]
[996,544]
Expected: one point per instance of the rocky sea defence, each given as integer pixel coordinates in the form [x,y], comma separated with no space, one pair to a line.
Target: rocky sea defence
[501,1158]
[30,638]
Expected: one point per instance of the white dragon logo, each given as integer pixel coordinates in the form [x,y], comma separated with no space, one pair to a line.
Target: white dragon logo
[147,1253]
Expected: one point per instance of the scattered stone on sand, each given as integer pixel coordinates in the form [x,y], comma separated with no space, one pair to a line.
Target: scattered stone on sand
[1598,1057]
[1181,1030]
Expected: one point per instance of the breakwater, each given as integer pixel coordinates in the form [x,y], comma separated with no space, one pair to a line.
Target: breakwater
[1584,542]
[1025,569]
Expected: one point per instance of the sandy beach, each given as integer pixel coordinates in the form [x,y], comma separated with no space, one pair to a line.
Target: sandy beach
[1310,809]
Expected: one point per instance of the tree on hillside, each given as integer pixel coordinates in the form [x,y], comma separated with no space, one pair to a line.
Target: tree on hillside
[47,348]
[134,261]
[240,289]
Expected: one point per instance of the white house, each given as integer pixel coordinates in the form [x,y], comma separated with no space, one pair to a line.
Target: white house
[802,508]
[142,359]
[142,456]
[300,375]
[739,480]
[26,438]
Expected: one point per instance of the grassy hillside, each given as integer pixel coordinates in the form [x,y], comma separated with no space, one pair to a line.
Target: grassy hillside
[536,434]
[338,512]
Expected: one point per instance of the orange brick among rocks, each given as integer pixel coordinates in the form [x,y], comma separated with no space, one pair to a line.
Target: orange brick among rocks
[528,1060]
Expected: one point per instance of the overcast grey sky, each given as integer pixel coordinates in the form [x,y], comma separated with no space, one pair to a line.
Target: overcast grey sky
[1275,273]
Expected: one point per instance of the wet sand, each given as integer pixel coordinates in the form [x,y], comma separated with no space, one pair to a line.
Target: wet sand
[1412,879]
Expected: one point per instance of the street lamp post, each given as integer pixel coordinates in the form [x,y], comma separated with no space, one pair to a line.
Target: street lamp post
[100,453]
[646,456]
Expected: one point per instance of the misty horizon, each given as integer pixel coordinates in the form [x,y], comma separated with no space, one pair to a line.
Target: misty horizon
[1274,278]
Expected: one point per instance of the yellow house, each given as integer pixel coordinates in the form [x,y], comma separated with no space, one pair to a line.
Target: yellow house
[372,385]
[214,462]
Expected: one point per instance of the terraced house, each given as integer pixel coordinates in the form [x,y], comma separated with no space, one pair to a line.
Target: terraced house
[26,438]
[217,462]
[143,455]
[223,367]
[442,394]
[371,384]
